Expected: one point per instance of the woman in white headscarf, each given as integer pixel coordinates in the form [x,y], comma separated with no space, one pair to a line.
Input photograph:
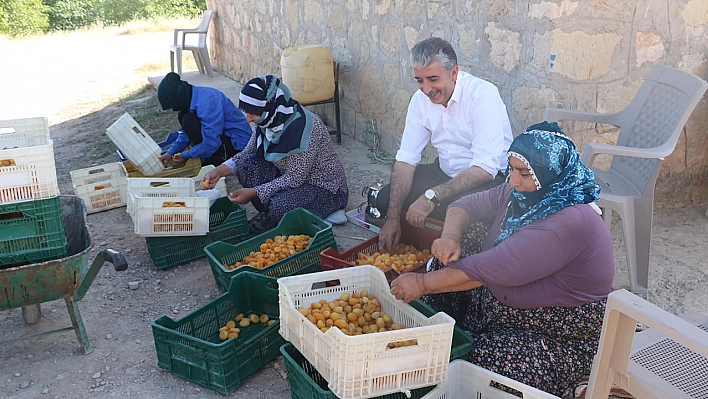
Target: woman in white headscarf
[289,162]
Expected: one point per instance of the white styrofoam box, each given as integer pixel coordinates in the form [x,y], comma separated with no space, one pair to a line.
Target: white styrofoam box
[136,145]
[467,380]
[220,185]
[101,187]
[151,205]
[27,168]
[363,365]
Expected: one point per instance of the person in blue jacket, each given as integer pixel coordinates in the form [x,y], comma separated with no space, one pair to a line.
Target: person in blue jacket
[211,123]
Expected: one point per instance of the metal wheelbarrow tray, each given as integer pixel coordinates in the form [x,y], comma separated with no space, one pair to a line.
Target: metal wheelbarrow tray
[69,278]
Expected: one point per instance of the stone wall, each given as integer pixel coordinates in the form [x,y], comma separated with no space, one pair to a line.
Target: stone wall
[583,55]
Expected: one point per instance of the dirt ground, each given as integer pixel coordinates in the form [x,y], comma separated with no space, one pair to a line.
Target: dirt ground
[64,79]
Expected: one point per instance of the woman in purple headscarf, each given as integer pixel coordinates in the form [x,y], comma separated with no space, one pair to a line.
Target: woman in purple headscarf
[534,297]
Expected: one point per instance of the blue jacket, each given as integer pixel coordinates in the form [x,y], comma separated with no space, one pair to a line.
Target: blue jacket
[218,115]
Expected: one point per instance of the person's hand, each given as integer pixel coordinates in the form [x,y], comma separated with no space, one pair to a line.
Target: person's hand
[446,249]
[209,180]
[165,159]
[178,158]
[418,211]
[389,235]
[408,286]
[242,195]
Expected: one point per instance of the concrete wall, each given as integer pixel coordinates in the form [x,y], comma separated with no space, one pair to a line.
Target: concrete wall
[584,55]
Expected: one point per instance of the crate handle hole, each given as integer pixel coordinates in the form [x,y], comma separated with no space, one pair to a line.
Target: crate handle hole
[323,284]
[501,387]
[137,131]
[12,215]
[174,204]
[94,171]
[402,344]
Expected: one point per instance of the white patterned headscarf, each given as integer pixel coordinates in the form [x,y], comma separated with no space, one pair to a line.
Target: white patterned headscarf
[285,127]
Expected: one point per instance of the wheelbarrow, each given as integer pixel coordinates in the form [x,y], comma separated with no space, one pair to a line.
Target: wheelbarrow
[27,286]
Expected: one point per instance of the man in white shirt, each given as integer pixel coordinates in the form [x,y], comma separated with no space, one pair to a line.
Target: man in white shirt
[465,119]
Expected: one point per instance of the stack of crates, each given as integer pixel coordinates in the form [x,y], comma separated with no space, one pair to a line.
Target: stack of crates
[163,207]
[31,228]
[227,223]
[364,365]
[105,187]
[307,383]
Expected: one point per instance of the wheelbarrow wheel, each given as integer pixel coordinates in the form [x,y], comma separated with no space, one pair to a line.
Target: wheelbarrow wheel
[31,313]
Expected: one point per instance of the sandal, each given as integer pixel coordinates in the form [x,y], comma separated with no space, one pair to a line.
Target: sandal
[259,224]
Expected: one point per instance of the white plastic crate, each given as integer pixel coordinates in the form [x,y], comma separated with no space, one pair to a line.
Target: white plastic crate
[27,169]
[363,366]
[140,149]
[467,380]
[101,187]
[25,132]
[151,206]
[220,185]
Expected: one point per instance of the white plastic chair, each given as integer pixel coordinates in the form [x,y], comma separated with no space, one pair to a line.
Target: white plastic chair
[198,48]
[650,127]
[668,360]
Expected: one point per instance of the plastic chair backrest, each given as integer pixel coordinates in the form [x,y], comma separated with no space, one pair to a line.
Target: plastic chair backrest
[654,119]
[203,27]
[206,19]
[613,362]
[198,35]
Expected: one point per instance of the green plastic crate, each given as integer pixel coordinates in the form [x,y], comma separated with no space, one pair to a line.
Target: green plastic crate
[461,341]
[227,223]
[31,232]
[297,221]
[307,383]
[190,347]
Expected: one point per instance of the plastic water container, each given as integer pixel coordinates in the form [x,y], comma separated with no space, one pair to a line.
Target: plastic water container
[308,72]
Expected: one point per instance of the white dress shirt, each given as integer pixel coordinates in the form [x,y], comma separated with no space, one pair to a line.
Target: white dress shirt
[473,130]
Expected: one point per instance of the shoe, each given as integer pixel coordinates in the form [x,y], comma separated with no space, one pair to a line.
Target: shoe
[259,224]
[337,217]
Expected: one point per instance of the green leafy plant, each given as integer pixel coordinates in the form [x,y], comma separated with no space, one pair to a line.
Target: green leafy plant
[23,17]
[72,14]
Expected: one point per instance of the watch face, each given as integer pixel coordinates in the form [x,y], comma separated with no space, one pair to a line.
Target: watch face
[429,194]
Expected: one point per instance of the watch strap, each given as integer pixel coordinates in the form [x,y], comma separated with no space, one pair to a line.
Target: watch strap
[436,198]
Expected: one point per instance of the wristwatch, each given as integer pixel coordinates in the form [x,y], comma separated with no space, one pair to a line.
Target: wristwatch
[431,195]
